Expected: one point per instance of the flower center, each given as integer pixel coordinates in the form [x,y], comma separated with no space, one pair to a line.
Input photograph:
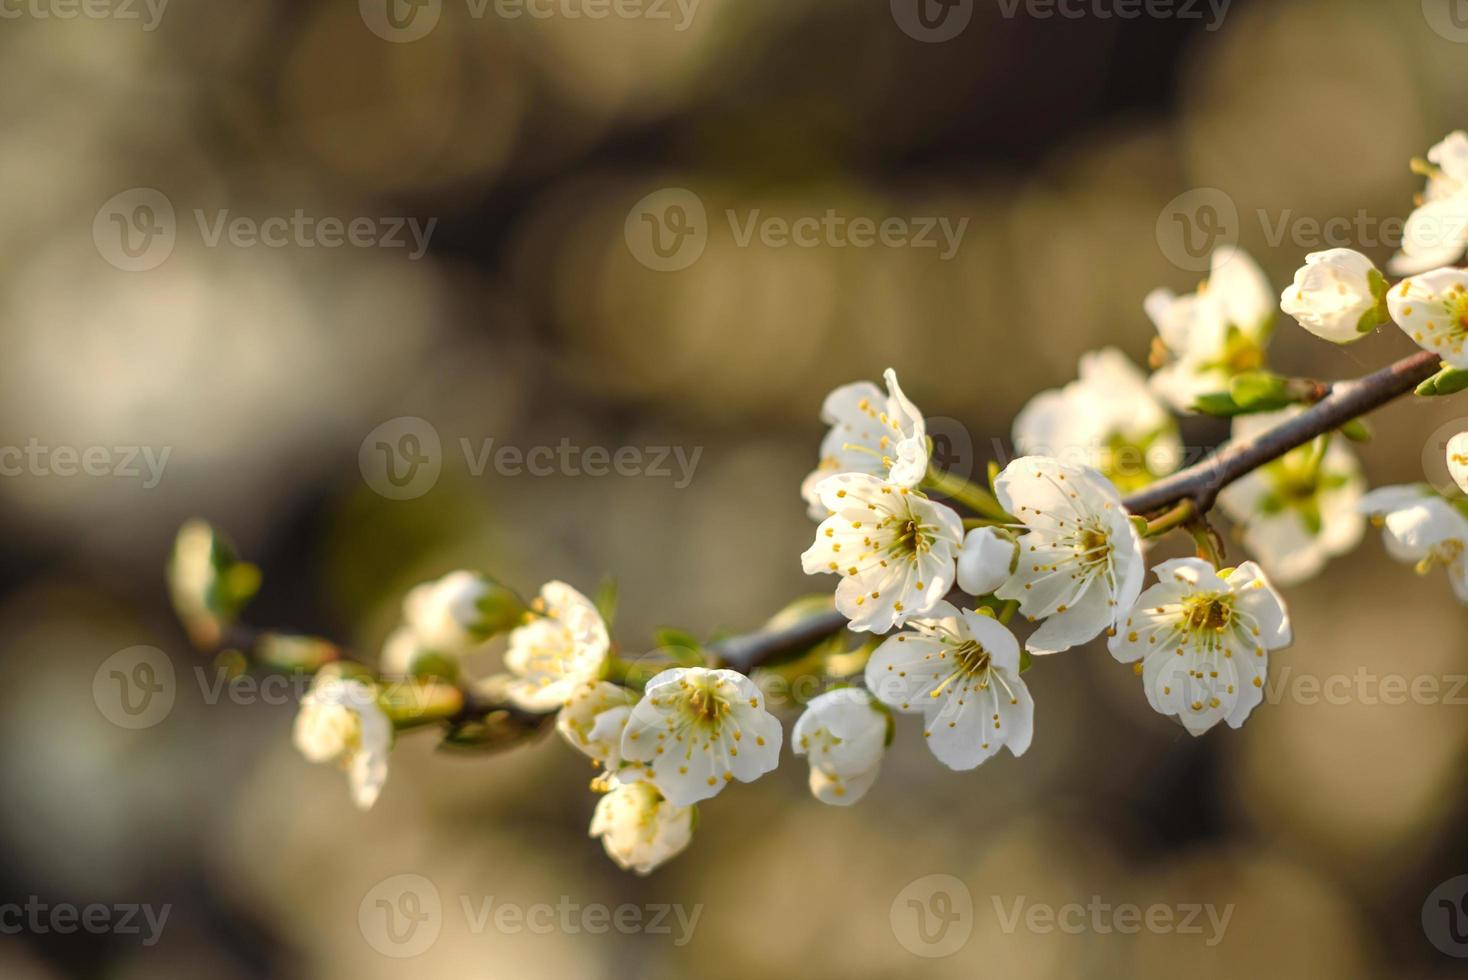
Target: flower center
[971,658]
[707,706]
[911,538]
[1208,613]
[1445,553]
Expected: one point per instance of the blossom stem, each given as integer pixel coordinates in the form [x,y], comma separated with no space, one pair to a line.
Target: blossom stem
[1181,513]
[971,495]
[1198,485]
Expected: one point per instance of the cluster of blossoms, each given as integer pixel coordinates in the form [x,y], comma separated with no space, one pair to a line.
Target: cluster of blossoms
[952,589]
[661,747]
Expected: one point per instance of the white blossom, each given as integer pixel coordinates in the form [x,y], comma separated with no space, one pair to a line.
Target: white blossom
[880,434]
[985,561]
[1458,460]
[564,646]
[340,721]
[845,736]
[696,729]
[593,721]
[400,651]
[1214,334]
[1300,510]
[1432,309]
[961,672]
[639,828]
[1424,530]
[1337,295]
[1108,419]
[1436,233]
[455,613]
[1203,638]
[1080,564]
[894,549]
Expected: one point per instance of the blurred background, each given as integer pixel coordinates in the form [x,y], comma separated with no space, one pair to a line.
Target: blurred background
[538,151]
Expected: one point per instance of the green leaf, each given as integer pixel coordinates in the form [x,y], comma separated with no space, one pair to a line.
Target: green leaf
[1260,391]
[1448,381]
[1218,404]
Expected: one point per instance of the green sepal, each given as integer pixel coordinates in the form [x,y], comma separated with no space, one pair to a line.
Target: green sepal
[419,701]
[1026,661]
[1357,430]
[208,584]
[295,654]
[498,731]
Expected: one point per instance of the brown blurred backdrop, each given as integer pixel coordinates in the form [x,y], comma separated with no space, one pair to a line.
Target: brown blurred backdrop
[531,144]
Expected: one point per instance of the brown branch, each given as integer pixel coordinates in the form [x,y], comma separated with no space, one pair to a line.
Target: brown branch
[1347,400]
[1199,483]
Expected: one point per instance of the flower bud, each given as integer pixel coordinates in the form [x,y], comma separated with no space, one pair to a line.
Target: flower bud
[1338,295]
[461,610]
[984,560]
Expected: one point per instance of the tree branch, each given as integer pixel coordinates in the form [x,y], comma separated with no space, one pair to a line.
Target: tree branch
[1347,400]
[1199,483]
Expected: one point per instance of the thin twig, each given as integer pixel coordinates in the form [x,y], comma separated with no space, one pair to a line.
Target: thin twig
[1199,483]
